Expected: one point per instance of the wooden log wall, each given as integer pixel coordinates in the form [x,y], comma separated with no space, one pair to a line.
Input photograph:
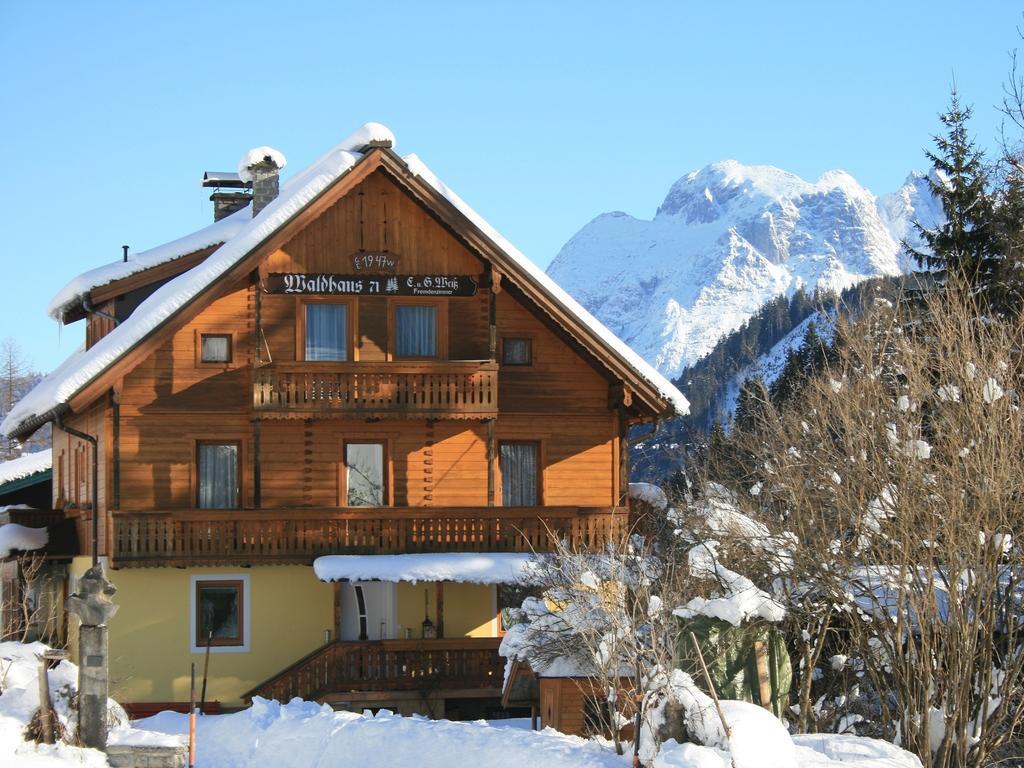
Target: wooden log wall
[172,400]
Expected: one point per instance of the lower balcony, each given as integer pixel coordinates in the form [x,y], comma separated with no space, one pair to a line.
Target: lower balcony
[299,536]
[463,666]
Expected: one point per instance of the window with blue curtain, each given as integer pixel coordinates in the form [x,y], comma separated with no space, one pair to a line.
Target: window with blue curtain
[519,474]
[415,331]
[218,476]
[327,332]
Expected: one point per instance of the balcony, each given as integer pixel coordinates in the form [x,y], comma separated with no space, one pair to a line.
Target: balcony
[299,536]
[466,665]
[452,389]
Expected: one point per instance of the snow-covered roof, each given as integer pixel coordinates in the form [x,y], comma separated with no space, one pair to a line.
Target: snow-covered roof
[26,465]
[469,567]
[14,536]
[296,193]
[218,232]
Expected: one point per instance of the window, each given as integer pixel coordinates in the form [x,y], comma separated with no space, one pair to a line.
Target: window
[516,351]
[219,616]
[415,330]
[215,348]
[217,476]
[365,484]
[327,332]
[520,474]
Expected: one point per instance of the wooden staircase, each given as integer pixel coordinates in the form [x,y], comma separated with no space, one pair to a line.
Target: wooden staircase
[462,666]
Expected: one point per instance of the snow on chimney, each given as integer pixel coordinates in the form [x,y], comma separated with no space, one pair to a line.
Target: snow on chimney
[261,167]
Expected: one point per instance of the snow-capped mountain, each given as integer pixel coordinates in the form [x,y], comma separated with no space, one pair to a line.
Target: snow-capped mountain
[726,239]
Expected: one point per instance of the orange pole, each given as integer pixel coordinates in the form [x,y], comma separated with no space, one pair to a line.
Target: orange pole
[192,720]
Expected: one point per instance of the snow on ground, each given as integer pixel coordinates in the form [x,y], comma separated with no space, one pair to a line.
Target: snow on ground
[14,536]
[469,567]
[25,465]
[302,734]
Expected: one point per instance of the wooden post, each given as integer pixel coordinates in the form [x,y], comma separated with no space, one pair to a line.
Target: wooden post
[257,481]
[45,707]
[491,451]
[761,657]
[206,669]
[192,720]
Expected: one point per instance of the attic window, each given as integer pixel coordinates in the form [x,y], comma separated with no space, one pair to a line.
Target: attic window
[215,348]
[516,352]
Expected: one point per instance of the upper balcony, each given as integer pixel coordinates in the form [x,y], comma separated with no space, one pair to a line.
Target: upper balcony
[460,389]
[299,536]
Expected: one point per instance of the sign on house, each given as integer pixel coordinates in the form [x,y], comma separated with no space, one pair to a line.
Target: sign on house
[375,262]
[326,284]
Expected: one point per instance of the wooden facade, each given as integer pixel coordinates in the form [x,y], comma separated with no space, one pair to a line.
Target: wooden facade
[440,419]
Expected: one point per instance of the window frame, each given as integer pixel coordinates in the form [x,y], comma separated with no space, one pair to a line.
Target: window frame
[198,644]
[352,335]
[440,327]
[529,347]
[343,470]
[500,490]
[239,469]
[201,363]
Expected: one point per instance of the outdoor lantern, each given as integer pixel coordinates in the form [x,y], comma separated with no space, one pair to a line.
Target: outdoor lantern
[429,630]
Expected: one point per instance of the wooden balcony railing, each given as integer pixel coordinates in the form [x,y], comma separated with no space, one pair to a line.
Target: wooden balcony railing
[427,666]
[240,537]
[452,389]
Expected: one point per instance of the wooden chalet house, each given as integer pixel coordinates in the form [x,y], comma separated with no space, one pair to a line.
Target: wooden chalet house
[350,363]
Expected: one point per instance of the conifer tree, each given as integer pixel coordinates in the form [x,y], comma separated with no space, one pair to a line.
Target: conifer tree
[966,242]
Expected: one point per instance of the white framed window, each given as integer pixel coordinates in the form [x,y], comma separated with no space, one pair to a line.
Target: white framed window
[220,603]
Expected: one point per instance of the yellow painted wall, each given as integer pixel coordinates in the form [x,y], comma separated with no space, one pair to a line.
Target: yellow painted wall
[469,609]
[149,636]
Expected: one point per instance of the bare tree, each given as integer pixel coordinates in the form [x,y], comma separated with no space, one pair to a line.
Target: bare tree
[899,478]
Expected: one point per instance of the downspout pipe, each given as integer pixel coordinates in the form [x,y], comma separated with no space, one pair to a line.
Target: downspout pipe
[95,483]
[91,309]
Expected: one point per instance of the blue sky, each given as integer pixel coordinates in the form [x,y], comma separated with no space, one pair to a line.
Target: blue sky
[540,114]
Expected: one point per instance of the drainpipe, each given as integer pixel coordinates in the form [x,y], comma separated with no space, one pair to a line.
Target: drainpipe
[88,307]
[95,483]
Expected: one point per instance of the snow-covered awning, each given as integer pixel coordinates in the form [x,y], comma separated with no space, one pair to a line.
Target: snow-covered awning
[25,466]
[20,537]
[469,567]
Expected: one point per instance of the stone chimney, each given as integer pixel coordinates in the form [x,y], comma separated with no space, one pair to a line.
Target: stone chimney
[265,184]
[260,167]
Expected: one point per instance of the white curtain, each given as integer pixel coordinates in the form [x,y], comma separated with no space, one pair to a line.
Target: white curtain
[327,332]
[364,474]
[415,331]
[218,476]
[216,349]
[518,474]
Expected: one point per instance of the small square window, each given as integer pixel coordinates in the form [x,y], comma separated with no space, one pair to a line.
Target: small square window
[219,613]
[215,348]
[517,351]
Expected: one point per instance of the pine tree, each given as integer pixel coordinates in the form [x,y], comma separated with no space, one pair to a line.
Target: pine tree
[966,244]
